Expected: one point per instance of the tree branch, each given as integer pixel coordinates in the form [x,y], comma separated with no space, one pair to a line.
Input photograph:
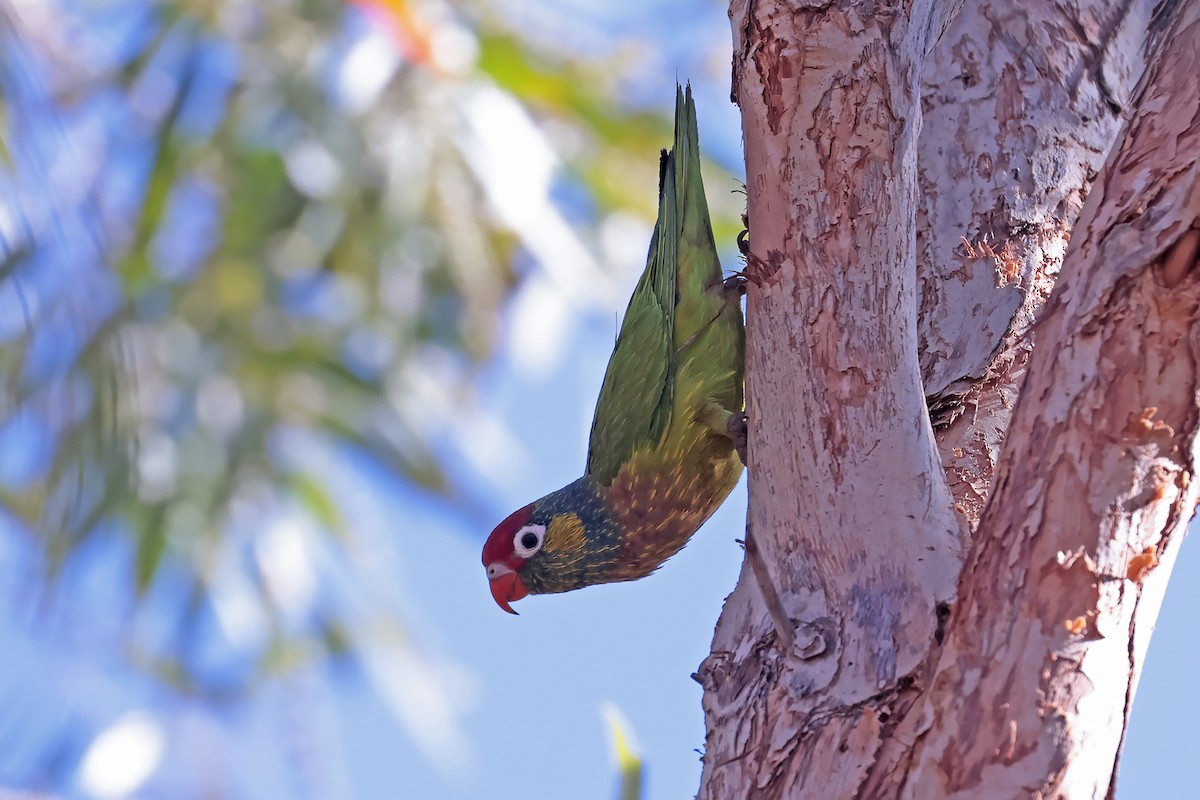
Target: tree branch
[849,502]
[1095,487]
[1018,101]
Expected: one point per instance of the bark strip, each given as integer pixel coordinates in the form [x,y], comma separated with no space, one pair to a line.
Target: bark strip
[1022,102]
[1095,487]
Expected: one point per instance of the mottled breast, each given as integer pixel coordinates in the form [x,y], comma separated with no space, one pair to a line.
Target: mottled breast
[660,499]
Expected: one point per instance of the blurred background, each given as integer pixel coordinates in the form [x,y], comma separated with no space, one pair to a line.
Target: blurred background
[297,299]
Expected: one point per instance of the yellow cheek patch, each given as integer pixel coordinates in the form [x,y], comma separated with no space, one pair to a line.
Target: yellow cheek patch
[565,534]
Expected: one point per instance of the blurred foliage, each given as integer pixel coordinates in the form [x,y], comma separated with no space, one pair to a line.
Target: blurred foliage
[227,225]
[629,763]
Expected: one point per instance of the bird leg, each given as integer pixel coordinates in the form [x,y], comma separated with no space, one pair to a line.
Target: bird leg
[735,285]
[737,428]
[723,422]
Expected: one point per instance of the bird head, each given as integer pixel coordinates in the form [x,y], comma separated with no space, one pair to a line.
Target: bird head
[562,542]
[506,552]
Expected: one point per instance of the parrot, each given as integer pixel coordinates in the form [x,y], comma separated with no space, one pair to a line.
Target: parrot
[668,435]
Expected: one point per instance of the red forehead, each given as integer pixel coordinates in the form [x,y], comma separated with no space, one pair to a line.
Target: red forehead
[499,546]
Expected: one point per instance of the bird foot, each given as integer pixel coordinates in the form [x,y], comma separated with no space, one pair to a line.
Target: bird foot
[761,272]
[738,281]
[739,434]
[736,284]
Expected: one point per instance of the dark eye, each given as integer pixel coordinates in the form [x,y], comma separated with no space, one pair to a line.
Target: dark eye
[529,540]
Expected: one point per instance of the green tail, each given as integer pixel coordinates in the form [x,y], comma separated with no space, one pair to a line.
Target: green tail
[680,348]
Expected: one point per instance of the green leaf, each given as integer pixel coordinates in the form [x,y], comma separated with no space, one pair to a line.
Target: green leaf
[152,543]
[317,500]
[629,763]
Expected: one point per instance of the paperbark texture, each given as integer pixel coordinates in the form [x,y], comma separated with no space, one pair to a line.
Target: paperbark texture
[848,503]
[1022,103]
[1094,490]
[865,299]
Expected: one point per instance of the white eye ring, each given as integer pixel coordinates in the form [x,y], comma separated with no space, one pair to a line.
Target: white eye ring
[528,540]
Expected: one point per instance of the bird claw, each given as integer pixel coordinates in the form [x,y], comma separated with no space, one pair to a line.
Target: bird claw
[739,434]
[736,284]
[758,271]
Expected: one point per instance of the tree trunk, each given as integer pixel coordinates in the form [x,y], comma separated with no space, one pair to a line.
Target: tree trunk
[892,263]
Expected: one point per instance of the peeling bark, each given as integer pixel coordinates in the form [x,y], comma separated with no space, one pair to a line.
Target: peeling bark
[836,398]
[1022,103]
[860,256]
[1094,490]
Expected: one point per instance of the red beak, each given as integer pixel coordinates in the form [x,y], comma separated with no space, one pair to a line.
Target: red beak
[507,588]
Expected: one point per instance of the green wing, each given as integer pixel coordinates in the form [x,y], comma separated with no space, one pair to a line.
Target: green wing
[635,399]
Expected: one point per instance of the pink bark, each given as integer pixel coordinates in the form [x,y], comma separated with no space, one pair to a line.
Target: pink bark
[849,501]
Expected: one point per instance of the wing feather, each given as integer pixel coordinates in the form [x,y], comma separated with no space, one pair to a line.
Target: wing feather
[635,399]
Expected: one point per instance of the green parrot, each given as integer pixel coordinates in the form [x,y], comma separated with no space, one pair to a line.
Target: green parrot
[666,436]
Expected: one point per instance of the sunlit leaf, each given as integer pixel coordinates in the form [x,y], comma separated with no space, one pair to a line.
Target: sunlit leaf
[629,763]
